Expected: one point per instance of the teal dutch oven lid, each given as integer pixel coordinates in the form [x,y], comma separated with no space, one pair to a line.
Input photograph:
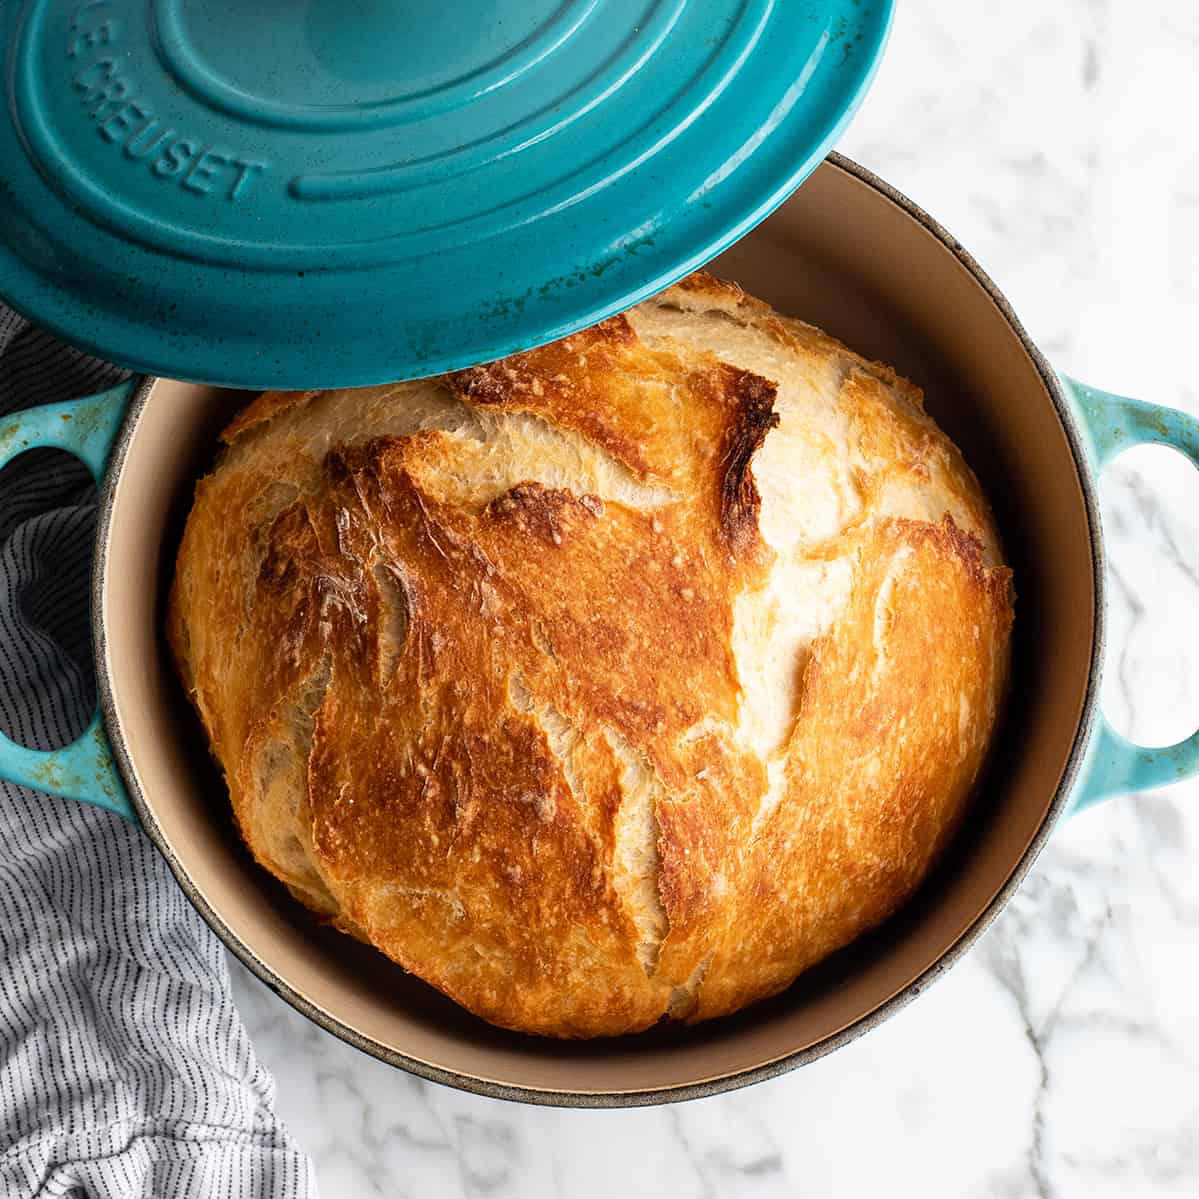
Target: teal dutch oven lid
[319,193]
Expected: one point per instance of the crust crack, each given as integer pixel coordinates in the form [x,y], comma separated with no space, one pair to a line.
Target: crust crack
[636,860]
[684,999]
[395,618]
[739,502]
[560,734]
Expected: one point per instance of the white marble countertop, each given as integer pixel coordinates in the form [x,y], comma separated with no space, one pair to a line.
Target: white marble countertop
[1057,139]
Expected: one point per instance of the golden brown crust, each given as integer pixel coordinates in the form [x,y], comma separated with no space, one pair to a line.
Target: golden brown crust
[885,746]
[590,382]
[263,410]
[544,679]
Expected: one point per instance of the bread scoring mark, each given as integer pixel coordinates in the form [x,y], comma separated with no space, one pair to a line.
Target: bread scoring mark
[263,505]
[743,403]
[966,721]
[394,617]
[321,420]
[291,549]
[684,999]
[669,415]
[541,640]
[508,450]
[776,783]
[802,469]
[561,737]
[869,670]
[880,711]
[636,861]
[300,718]
[338,595]
[884,613]
[774,628]
[752,399]
[280,777]
[909,468]
[560,381]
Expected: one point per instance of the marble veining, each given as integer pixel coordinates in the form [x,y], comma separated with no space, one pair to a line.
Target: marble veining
[1061,1057]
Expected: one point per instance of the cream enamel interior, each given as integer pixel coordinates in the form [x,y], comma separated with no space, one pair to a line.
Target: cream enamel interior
[843,256]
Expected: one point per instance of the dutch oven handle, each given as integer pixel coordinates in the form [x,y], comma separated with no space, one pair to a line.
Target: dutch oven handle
[1117,423]
[83,770]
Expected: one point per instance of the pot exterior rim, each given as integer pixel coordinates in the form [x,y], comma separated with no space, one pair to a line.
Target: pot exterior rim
[718,1084]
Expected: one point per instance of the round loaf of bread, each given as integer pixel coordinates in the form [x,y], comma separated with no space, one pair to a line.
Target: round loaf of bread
[619,680]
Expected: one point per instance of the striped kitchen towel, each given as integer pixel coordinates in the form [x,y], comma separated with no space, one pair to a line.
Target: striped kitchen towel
[124,1069]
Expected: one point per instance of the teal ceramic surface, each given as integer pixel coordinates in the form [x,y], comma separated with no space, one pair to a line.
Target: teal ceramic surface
[83,770]
[328,194]
[1110,424]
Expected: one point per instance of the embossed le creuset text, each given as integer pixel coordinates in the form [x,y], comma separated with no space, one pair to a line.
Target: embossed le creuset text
[131,124]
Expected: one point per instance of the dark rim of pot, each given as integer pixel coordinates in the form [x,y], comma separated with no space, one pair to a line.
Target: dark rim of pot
[721,1083]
